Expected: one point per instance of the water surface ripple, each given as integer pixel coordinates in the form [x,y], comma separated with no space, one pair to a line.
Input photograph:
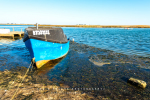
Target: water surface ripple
[134,41]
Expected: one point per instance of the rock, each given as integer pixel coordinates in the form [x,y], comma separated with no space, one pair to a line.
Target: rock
[137,82]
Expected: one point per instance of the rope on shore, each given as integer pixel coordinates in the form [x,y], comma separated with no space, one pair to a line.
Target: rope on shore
[21,81]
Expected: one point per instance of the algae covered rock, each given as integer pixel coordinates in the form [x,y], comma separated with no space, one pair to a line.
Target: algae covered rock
[137,82]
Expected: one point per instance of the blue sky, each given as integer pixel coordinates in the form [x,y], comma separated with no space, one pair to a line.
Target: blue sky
[72,12]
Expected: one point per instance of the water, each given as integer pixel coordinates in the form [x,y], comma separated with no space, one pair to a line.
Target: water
[134,41]
[99,58]
[16,27]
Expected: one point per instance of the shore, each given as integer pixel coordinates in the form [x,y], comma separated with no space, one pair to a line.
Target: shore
[34,88]
[90,26]
[101,26]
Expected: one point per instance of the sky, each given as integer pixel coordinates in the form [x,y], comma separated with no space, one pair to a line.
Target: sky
[72,12]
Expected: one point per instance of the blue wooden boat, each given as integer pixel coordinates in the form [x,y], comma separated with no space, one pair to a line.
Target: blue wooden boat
[45,44]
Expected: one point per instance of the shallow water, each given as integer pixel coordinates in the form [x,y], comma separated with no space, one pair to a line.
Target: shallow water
[13,53]
[109,76]
[90,69]
[94,71]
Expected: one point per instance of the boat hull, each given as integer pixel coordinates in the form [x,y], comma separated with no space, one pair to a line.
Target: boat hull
[43,51]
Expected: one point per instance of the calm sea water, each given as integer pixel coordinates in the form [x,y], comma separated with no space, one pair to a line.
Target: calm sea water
[101,58]
[134,41]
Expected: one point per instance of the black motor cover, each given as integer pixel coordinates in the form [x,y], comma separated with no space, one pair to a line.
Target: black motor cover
[49,34]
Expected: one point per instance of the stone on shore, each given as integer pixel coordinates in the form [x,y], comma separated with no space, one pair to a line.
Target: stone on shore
[137,82]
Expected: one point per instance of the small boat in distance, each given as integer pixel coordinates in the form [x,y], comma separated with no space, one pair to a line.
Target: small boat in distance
[45,44]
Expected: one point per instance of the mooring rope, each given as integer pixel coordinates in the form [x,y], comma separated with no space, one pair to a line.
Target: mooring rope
[21,81]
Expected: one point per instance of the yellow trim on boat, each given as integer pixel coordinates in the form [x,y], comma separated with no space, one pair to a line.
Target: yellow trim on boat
[41,63]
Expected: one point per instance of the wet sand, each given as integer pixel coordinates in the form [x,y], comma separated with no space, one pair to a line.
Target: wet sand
[92,72]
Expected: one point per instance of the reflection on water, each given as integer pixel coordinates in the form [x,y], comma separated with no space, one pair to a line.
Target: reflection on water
[48,66]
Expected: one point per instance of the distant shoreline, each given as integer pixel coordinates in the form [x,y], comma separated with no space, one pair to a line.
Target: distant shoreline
[90,26]
[101,26]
